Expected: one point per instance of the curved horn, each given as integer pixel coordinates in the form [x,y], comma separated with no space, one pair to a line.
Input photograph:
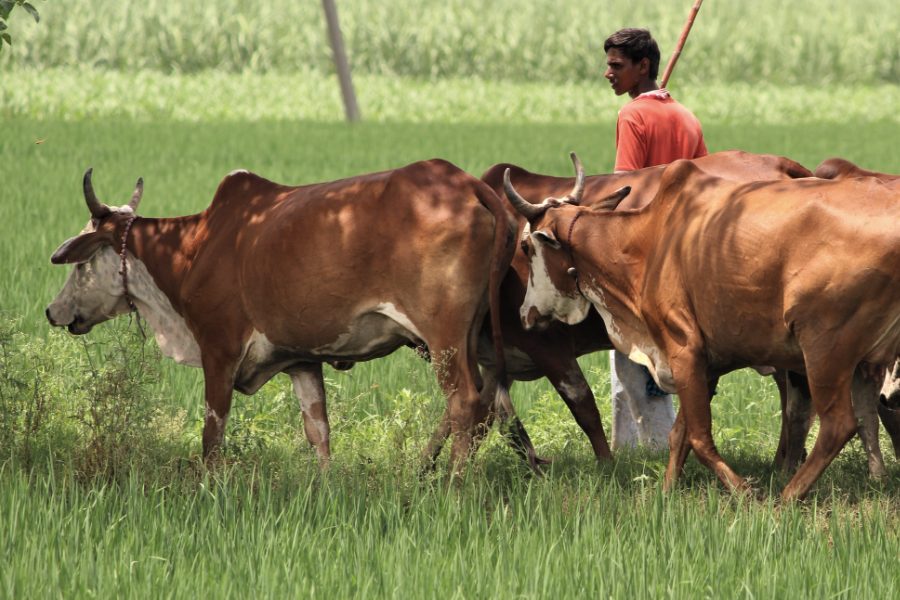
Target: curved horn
[578,190]
[525,208]
[98,210]
[136,197]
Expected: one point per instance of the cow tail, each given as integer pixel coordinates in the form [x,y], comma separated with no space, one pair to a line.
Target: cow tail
[504,235]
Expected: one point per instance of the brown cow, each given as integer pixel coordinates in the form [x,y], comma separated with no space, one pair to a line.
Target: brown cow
[887,402]
[713,276]
[839,168]
[552,353]
[275,279]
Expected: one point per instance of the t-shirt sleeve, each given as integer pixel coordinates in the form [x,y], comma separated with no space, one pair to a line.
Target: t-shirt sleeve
[631,143]
[701,148]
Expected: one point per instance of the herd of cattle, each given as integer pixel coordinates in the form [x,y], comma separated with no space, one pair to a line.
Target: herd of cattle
[693,270]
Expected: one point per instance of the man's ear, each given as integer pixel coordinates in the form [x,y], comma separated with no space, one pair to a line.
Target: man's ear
[644,66]
[611,201]
[79,249]
[547,237]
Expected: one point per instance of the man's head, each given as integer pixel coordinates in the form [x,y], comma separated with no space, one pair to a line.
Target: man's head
[632,58]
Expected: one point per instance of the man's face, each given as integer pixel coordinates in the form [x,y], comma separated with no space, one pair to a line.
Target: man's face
[623,74]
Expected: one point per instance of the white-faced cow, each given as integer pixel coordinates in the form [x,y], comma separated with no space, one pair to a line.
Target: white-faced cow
[552,352]
[712,276]
[275,279]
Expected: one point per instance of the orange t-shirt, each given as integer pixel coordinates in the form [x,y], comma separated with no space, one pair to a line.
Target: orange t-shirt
[653,129]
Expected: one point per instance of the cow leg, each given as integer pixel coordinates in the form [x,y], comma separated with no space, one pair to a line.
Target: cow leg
[796,420]
[679,443]
[219,386]
[890,418]
[780,379]
[485,420]
[463,400]
[889,406]
[679,448]
[864,393]
[309,387]
[569,381]
[695,396]
[837,424]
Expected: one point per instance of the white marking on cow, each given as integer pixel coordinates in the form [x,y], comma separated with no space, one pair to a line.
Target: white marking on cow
[238,172]
[373,331]
[171,332]
[389,310]
[309,392]
[257,349]
[220,421]
[574,385]
[543,295]
[638,346]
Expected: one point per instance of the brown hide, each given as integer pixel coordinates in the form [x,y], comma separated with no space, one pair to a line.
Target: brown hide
[714,275]
[552,353]
[272,278]
[839,168]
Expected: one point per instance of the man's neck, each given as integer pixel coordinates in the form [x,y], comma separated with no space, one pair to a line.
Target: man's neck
[647,85]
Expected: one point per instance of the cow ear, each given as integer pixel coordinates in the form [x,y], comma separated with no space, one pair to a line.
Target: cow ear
[79,249]
[547,237]
[611,201]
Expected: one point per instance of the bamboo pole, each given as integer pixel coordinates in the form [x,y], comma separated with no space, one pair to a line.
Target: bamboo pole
[681,40]
[340,61]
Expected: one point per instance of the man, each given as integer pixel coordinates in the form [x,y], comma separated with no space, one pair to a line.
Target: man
[652,129]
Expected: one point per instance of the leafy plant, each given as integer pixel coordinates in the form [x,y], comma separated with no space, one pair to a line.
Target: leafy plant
[6,7]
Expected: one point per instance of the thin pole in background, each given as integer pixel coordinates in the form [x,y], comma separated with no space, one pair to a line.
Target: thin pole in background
[340,61]
[681,40]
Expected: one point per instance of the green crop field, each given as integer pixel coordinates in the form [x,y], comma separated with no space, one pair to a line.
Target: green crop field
[135,514]
[102,491]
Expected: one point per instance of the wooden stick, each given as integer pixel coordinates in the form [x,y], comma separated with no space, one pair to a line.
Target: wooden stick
[681,40]
[340,61]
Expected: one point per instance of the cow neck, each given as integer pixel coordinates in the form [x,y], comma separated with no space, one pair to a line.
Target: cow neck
[609,248]
[162,246]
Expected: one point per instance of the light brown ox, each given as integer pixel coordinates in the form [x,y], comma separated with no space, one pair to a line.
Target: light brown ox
[887,402]
[552,352]
[713,276]
[273,279]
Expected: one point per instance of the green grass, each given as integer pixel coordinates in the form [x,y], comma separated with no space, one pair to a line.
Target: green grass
[217,96]
[817,42]
[261,536]
[268,524]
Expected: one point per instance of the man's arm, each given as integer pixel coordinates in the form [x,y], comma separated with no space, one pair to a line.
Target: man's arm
[701,148]
[631,143]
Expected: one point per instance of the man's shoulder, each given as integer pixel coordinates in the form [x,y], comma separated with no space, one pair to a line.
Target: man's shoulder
[654,108]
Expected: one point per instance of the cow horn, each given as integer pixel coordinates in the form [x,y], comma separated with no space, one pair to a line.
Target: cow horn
[136,197]
[525,208]
[98,210]
[578,191]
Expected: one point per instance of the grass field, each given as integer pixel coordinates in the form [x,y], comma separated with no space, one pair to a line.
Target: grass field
[268,524]
[102,493]
[815,42]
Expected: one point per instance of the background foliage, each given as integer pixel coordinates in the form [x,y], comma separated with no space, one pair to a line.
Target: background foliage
[817,42]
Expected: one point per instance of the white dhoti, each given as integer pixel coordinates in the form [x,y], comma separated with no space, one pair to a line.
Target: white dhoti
[637,417]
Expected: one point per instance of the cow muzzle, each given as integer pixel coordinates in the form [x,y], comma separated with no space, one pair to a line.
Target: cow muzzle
[75,324]
[533,320]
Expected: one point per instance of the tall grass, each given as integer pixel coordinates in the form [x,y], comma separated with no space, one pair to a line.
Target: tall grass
[264,535]
[776,41]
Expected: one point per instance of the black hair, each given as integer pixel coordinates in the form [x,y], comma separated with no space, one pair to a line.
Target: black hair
[636,45]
